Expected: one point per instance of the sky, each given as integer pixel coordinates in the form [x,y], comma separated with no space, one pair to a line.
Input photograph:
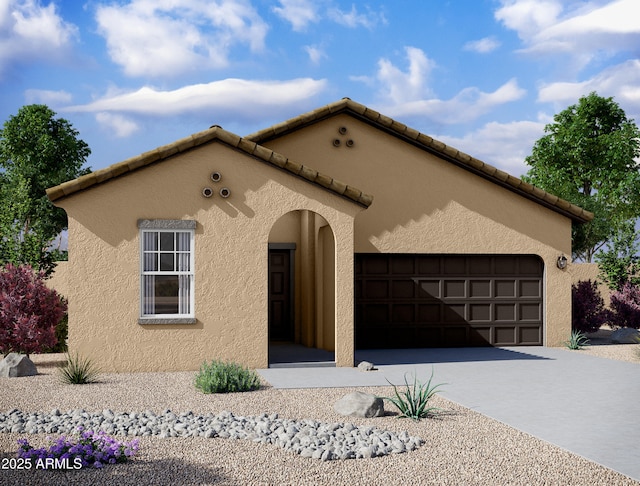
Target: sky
[484,76]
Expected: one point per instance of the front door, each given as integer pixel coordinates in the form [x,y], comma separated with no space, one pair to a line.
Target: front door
[280,295]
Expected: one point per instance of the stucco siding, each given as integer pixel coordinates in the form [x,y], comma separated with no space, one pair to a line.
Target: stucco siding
[231,244]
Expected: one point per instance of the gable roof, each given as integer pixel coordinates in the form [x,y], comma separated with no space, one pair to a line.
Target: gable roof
[429,144]
[214,133]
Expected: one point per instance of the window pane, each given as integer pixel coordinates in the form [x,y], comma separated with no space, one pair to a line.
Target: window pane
[150,242]
[183,241]
[150,262]
[185,292]
[149,292]
[166,294]
[166,262]
[166,241]
[183,262]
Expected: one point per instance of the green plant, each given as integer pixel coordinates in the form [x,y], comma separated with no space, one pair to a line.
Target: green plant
[78,371]
[578,340]
[413,403]
[226,377]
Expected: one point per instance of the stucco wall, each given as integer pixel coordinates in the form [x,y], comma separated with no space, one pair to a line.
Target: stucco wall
[423,204]
[230,260]
[59,279]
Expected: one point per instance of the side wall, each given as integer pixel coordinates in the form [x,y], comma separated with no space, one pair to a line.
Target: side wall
[231,261]
[423,204]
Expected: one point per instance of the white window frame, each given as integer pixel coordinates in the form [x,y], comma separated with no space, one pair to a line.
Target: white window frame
[168,226]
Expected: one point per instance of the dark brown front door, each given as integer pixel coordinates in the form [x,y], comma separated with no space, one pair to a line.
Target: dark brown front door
[416,301]
[280,295]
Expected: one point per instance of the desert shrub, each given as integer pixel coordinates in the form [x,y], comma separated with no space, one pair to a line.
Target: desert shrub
[413,402]
[29,311]
[78,371]
[587,311]
[577,340]
[226,377]
[625,306]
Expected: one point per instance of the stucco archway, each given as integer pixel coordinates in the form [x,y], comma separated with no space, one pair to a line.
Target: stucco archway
[302,290]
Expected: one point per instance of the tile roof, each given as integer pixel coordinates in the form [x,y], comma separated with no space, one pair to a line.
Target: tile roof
[428,144]
[214,133]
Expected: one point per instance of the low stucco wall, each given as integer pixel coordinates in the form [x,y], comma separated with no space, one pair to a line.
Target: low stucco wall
[590,271]
[59,279]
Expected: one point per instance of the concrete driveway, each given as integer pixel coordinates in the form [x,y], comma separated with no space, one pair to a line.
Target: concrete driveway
[584,404]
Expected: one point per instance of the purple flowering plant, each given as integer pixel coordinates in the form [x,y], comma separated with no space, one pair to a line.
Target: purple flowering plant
[94,449]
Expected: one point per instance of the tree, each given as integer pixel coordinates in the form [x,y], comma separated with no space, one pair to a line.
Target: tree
[587,157]
[37,151]
[619,263]
[29,311]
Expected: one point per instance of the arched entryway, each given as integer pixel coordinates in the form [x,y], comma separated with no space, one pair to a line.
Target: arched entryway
[302,291]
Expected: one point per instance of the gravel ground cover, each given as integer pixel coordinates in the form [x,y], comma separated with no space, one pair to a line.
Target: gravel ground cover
[460,447]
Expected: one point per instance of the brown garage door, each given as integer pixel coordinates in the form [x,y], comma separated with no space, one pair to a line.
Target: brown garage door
[413,301]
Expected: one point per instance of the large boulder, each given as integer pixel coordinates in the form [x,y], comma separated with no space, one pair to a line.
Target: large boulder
[625,335]
[360,404]
[15,365]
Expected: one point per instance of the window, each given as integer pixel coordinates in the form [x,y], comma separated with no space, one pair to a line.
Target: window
[167,292]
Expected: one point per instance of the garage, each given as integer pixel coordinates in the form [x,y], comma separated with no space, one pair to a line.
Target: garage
[417,300]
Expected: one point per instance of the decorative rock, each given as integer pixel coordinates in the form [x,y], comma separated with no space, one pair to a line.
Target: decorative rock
[16,365]
[360,404]
[366,366]
[625,335]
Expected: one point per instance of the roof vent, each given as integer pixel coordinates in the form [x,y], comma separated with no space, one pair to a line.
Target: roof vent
[207,192]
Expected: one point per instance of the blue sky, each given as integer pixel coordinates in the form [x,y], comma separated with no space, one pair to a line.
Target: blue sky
[484,76]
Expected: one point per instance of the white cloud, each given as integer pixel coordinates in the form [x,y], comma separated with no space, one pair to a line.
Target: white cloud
[120,125]
[408,94]
[47,97]
[584,31]
[354,19]
[528,17]
[503,145]
[401,87]
[621,81]
[469,104]
[234,99]
[483,46]
[30,31]
[316,54]
[171,37]
[299,13]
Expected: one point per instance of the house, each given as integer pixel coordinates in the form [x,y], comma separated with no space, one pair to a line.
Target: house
[339,229]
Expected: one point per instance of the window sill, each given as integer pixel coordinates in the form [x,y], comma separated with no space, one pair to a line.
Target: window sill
[167,320]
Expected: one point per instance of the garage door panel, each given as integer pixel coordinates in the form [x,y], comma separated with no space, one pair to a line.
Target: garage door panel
[505,312]
[403,289]
[447,300]
[454,289]
[479,312]
[530,335]
[505,289]
[530,288]
[479,289]
[432,288]
[505,335]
